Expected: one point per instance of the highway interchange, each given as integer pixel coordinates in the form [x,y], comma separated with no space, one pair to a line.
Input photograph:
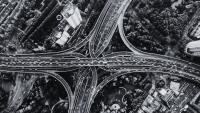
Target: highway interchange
[121,62]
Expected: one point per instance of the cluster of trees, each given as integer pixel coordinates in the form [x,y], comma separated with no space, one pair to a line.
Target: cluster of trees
[84,5]
[27,13]
[116,44]
[163,25]
[12,27]
[137,90]
[90,5]
[141,37]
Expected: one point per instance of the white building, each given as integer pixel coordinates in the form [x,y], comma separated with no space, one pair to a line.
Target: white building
[72,14]
[193,48]
[63,39]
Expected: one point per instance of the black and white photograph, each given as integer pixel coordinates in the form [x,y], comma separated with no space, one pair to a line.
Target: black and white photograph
[99,56]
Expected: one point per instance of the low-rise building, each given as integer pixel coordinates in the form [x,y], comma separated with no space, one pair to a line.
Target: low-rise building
[71,13]
[193,48]
[63,39]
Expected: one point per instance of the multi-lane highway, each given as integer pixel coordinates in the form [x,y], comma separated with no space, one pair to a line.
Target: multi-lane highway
[23,87]
[99,38]
[84,90]
[120,63]
[19,92]
[106,25]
